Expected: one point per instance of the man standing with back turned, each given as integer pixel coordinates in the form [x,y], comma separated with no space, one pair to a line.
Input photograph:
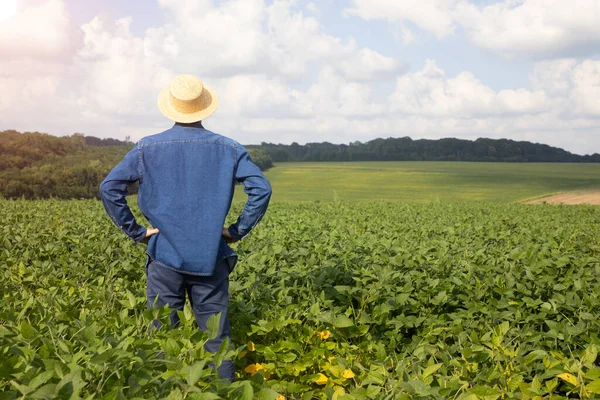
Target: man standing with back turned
[186,180]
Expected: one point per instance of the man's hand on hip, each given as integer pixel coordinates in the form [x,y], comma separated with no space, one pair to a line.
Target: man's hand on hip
[149,232]
[227,236]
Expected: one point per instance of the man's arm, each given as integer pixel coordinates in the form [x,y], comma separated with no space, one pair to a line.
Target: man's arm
[257,188]
[113,191]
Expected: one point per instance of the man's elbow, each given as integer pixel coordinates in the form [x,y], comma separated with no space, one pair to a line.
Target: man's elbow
[268,191]
[104,189]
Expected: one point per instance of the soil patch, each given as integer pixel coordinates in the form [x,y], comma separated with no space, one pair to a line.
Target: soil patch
[578,197]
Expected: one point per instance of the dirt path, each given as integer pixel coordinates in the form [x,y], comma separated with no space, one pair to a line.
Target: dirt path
[577,197]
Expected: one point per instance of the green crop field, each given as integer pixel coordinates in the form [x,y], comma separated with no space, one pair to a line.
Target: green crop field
[330,300]
[427,181]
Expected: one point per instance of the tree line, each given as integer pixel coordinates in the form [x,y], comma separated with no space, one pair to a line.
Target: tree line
[36,165]
[407,149]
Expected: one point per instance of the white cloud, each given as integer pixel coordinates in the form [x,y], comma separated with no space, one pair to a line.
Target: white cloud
[553,76]
[333,96]
[313,8]
[251,37]
[119,75]
[430,92]
[586,88]
[41,30]
[432,15]
[405,35]
[531,28]
[252,95]
[26,93]
[368,65]
[574,86]
[534,27]
[214,40]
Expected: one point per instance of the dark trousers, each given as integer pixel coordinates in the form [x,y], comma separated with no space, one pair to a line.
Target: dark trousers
[208,295]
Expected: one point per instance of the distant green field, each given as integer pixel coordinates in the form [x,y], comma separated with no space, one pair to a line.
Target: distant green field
[426,181]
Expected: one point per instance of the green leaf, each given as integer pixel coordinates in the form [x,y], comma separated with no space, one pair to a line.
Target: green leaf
[172,347]
[101,358]
[242,390]
[65,389]
[27,330]
[70,384]
[213,325]
[267,394]
[594,386]
[22,388]
[342,321]
[131,299]
[220,354]
[41,379]
[417,387]
[590,355]
[551,384]
[289,357]
[9,395]
[486,392]
[195,372]
[45,392]
[467,396]
[269,354]
[175,395]
[203,396]
[534,356]
[188,313]
[431,369]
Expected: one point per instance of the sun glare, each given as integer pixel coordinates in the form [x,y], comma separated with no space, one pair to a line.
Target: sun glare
[8,8]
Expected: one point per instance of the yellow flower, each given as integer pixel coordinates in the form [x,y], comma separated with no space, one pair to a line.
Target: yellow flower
[251,346]
[323,335]
[254,368]
[348,374]
[281,397]
[321,380]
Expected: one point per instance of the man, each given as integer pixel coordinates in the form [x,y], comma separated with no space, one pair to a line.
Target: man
[186,180]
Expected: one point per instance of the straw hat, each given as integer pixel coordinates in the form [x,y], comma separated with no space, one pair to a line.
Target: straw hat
[187,99]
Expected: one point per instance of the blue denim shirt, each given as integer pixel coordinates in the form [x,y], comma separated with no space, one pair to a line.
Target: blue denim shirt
[186,180]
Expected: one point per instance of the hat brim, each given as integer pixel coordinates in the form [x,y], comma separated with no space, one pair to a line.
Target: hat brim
[165,107]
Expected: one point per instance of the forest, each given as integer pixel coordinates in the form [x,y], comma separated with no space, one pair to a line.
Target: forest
[407,149]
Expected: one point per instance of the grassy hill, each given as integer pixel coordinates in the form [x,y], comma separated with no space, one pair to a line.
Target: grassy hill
[416,182]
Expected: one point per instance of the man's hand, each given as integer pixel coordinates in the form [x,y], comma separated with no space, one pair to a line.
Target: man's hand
[227,236]
[149,232]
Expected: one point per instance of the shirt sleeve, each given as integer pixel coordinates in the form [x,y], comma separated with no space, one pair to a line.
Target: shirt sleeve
[259,191]
[114,189]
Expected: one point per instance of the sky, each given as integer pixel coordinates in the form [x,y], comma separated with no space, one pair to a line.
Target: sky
[308,71]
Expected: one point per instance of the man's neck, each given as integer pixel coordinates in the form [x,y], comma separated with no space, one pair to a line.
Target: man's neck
[192,124]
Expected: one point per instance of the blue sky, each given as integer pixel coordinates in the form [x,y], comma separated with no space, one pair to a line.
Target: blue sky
[311,71]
